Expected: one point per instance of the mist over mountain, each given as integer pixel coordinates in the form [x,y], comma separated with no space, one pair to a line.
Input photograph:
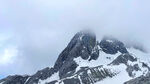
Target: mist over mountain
[34,32]
[86,60]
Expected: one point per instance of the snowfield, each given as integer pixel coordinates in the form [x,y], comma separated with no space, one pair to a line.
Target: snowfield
[54,77]
[105,59]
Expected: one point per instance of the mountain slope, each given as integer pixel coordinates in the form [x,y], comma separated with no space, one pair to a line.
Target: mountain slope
[88,61]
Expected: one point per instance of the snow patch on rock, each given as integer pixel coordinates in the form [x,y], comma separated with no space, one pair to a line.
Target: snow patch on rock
[119,78]
[103,59]
[54,77]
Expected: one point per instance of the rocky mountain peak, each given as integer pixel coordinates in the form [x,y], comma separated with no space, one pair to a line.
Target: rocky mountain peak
[87,61]
[111,45]
[83,45]
[84,38]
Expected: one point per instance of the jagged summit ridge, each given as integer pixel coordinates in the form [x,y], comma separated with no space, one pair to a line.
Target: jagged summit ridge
[83,44]
[88,61]
[111,45]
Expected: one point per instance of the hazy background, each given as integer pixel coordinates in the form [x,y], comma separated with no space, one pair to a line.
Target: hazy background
[34,32]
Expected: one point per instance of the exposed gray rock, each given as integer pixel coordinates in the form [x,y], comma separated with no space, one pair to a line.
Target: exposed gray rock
[88,75]
[124,58]
[130,69]
[72,81]
[67,67]
[140,80]
[34,79]
[145,65]
[111,45]
[84,45]
[40,75]
[53,82]
[17,79]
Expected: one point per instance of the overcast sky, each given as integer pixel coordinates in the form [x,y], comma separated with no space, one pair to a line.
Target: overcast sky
[34,32]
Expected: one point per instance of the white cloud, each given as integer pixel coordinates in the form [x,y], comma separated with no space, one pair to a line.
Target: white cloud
[8,56]
[42,28]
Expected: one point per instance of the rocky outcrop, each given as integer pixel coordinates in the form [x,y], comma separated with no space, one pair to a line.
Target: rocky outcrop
[83,44]
[40,75]
[135,65]
[34,79]
[123,59]
[140,80]
[87,75]
[17,79]
[111,45]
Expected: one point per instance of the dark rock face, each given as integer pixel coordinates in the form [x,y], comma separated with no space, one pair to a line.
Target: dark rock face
[96,74]
[88,75]
[83,44]
[140,80]
[68,67]
[111,46]
[40,75]
[130,69]
[53,82]
[17,79]
[124,58]
[72,81]
[145,66]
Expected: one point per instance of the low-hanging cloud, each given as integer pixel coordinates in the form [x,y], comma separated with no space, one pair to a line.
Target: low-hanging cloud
[41,29]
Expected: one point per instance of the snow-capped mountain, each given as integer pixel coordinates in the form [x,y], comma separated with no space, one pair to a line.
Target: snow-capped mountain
[88,61]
